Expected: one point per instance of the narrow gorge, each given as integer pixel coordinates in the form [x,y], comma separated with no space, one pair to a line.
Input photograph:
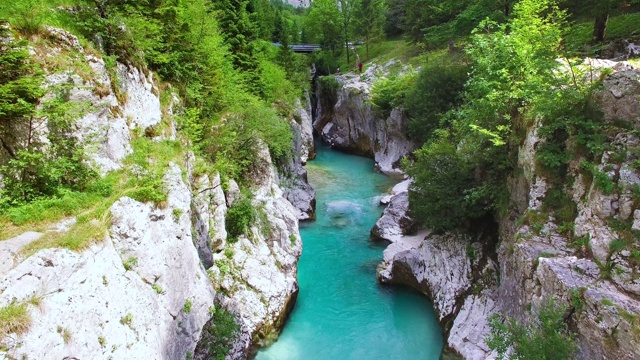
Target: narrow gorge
[337,179]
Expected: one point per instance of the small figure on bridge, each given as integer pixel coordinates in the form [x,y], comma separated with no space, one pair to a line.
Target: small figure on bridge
[360,67]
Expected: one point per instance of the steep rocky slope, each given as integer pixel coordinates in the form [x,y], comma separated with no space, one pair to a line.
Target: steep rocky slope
[148,286]
[345,120]
[595,272]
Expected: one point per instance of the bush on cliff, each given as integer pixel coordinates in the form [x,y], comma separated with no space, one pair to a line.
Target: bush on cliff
[240,217]
[548,337]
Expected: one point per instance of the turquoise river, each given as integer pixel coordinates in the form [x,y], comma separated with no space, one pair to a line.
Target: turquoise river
[341,311]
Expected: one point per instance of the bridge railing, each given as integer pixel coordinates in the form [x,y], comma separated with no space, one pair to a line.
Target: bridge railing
[301,48]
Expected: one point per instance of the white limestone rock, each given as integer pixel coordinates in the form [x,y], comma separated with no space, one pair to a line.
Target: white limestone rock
[233,192]
[111,312]
[257,273]
[470,328]
[305,122]
[439,267]
[352,125]
[395,221]
[142,108]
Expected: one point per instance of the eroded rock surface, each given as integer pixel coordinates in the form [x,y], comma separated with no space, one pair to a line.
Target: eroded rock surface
[395,221]
[121,298]
[351,124]
[592,272]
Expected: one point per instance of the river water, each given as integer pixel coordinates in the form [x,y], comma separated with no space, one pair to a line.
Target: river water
[341,311]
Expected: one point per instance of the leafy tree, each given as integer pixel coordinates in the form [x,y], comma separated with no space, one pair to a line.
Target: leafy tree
[263,15]
[438,89]
[599,10]
[323,24]
[545,339]
[370,22]
[20,93]
[348,10]
[513,68]
[443,178]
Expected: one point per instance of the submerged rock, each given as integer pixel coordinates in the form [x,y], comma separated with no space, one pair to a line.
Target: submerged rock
[344,213]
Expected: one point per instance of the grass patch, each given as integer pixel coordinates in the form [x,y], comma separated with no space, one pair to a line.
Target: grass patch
[187,306]
[380,53]
[130,263]
[65,333]
[580,34]
[14,318]
[142,181]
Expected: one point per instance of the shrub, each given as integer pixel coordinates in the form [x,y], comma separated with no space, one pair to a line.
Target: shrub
[130,263]
[547,338]
[219,333]
[234,142]
[390,93]
[437,90]
[14,318]
[443,181]
[240,217]
[187,306]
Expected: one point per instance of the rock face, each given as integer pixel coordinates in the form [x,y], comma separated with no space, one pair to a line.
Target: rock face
[395,221]
[292,175]
[256,274]
[594,273]
[345,120]
[597,280]
[147,289]
[103,128]
[459,278]
[122,298]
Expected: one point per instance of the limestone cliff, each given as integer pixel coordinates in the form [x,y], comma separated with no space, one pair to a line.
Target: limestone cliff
[594,272]
[345,120]
[147,286]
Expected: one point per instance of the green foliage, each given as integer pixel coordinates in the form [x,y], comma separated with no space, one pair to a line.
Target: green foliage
[437,90]
[130,263]
[389,93]
[240,217]
[442,194]
[158,289]
[547,338]
[187,306]
[513,69]
[219,333]
[14,318]
[577,298]
[235,141]
[20,92]
[238,31]
[127,319]
[601,179]
[323,25]
[176,213]
[370,21]
[35,169]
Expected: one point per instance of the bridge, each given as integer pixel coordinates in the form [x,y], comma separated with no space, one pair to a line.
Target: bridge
[301,48]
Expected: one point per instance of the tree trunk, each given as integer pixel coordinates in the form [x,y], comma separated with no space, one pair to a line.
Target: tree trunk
[346,43]
[600,27]
[367,48]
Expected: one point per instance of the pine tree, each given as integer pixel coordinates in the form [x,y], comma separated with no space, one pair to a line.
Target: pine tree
[371,21]
[238,31]
[20,91]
